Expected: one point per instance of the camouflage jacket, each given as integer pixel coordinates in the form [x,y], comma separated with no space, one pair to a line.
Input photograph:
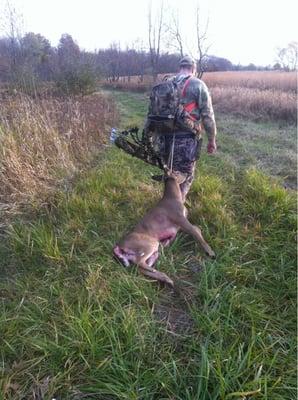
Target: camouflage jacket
[197,91]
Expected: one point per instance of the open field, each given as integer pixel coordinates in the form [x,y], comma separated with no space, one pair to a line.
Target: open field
[74,324]
[263,80]
[265,96]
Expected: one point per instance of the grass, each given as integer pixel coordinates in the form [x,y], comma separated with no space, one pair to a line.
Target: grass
[74,324]
[45,141]
[256,104]
[264,80]
[269,147]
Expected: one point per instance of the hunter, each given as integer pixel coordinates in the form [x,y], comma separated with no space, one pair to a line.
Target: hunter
[181,147]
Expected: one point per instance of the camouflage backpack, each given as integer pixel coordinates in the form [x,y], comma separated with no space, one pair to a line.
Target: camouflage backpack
[166,111]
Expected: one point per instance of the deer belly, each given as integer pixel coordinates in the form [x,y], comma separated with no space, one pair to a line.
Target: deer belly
[167,236]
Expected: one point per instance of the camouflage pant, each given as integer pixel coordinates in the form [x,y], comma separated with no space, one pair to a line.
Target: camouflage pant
[187,150]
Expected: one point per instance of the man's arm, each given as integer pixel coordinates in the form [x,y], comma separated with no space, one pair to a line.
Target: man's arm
[207,117]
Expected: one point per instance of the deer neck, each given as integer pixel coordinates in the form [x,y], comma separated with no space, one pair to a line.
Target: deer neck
[172,188]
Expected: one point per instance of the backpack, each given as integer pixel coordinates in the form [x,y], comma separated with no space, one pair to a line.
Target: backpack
[166,112]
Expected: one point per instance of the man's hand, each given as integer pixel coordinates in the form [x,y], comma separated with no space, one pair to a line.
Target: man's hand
[211,148]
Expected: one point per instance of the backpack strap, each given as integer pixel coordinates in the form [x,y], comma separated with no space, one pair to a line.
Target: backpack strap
[189,109]
[190,106]
[187,82]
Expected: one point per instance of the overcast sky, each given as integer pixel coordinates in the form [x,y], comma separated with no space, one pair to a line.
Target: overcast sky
[243,31]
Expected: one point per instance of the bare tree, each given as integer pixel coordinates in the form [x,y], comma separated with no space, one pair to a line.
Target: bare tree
[141,58]
[114,61]
[175,39]
[155,32]
[11,24]
[287,57]
[202,43]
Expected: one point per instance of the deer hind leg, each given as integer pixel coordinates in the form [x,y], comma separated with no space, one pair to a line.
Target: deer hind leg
[193,230]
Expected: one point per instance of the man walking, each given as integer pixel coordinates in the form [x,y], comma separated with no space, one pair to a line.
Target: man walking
[181,147]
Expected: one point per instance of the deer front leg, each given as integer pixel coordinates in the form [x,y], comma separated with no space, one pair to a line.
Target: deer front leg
[153,273]
[193,230]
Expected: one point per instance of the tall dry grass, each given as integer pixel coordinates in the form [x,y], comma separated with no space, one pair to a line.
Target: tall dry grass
[256,104]
[261,80]
[45,141]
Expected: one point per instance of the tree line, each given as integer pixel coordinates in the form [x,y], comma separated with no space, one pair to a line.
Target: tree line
[30,59]
[32,55]
[26,59]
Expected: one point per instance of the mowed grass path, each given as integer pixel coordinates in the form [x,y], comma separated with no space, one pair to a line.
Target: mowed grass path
[74,324]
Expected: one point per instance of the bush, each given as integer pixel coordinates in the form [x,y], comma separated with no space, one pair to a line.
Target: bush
[77,81]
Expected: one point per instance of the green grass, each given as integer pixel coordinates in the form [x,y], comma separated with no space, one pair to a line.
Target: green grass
[269,147]
[74,324]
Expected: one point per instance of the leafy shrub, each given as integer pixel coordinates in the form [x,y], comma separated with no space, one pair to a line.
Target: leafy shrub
[81,80]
